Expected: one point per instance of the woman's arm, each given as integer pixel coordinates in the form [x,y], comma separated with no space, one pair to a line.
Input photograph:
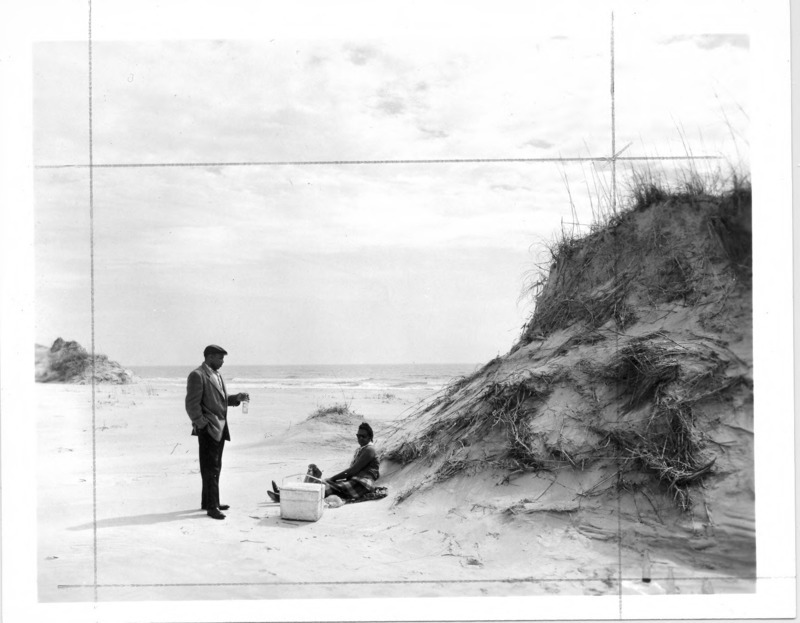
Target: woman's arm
[364,457]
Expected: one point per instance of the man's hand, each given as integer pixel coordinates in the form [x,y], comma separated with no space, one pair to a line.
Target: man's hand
[242,396]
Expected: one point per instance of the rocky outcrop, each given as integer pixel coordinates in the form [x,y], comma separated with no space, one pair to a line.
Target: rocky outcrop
[68,362]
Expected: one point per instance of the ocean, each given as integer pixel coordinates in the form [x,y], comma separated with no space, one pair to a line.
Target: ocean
[381,377]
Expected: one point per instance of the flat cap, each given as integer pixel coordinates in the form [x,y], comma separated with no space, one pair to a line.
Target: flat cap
[213,348]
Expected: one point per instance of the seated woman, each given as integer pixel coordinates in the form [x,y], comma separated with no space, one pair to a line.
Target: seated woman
[353,482]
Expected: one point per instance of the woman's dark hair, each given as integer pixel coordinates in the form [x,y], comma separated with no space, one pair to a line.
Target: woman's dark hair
[366,427]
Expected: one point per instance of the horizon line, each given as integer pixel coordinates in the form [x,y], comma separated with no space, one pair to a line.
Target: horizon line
[135,165]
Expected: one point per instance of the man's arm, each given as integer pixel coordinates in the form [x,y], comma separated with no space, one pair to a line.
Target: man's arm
[234,400]
[194,396]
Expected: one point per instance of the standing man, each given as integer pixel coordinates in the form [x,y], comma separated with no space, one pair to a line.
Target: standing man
[207,404]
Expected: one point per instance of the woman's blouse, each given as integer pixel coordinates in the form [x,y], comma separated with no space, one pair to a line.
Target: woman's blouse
[365,463]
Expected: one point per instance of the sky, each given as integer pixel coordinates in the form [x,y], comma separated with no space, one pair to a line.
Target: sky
[345,262]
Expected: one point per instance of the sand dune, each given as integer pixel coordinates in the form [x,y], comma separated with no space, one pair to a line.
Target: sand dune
[609,453]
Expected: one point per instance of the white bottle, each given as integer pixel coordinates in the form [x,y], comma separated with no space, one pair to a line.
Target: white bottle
[245,407]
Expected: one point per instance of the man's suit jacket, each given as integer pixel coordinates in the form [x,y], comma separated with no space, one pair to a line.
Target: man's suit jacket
[207,404]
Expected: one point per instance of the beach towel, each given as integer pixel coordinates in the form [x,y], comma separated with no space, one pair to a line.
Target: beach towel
[378,493]
[353,487]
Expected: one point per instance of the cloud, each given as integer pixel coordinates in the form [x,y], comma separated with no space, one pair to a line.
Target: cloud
[433,133]
[288,238]
[362,54]
[316,60]
[508,187]
[711,41]
[538,143]
[390,103]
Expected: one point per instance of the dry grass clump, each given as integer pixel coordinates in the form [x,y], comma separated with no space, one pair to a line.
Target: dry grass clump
[503,406]
[439,436]
[454,465]
[646,192]
[652,367]
[585,338]
[732,229]
[642,368]
[335,413]
[647,186]
[512,405]
[729,224]
[585,282]
[675,280]
[409,450]
[596,277]
[594,310]
[661,384]
[673,378]
[335,409]
[446,395]
[669,446]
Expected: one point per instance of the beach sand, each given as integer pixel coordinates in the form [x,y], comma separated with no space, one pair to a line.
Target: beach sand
[138,503]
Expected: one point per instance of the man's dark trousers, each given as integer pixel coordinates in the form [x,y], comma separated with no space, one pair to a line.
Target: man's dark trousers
[210,467]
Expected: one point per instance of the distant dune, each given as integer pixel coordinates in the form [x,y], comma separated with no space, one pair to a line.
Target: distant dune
[69,362]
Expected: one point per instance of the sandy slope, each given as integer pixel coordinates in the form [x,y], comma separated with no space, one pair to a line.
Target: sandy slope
[622,420]
[153,542]
[612,445]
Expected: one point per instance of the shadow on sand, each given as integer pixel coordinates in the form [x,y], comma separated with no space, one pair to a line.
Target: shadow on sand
[275,520]
[140,520]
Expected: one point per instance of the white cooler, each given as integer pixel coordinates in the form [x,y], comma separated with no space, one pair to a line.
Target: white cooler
[302,500]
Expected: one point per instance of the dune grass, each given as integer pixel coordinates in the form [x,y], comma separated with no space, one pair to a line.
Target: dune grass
[587,280]
[679,244]
[334,411]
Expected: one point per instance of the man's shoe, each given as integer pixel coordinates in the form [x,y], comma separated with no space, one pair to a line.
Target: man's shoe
[275,487]
[224,507]
[215,514]
[275,497]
